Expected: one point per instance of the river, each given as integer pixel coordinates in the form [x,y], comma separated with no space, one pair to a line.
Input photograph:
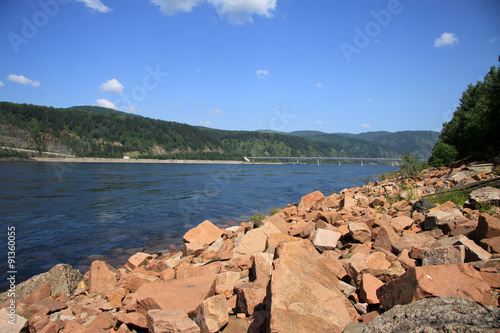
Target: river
[76,213]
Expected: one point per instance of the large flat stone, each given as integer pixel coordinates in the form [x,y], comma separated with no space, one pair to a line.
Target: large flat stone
[306,296]
[205,234]
[185,294]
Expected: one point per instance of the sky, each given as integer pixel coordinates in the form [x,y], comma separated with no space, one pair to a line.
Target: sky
[283,65]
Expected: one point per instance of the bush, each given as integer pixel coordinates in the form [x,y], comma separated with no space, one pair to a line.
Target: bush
[410,166]
[443,154]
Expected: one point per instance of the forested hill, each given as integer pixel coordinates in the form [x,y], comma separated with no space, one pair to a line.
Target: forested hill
[101,132]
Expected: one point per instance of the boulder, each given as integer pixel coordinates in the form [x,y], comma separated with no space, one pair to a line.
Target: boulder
[401,222]
[486,195]
[102,278]
[185,294]
[360,232]
[262,269]
[249,299]
[309,200]
[386,236]
[170,321]
[255,240]
[492,245]
[213,314]
[423,205]
[132,318]
[473,252]
[368,289]
[487,227]
[62,278]
[325,240]
[184,271]
[12,322]
[451,314]
[305,294]
[408,241]
[205,234]
[459,280]
[39,294]
[137,259]
[437,218]
[444,256]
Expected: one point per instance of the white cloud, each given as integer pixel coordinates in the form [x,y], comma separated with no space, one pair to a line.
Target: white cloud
[241,11]
[1,84]
[446,39]
[319,85]
[261,73]
[112,86]
[95,5]
[493,39]
[205,123]
[320,122]
[213,111]
[106,104]
[131,109]
[172,7]
[370,100]
[366,125]
[23,80]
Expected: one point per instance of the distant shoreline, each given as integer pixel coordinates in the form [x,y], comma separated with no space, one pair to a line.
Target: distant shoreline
[121,160]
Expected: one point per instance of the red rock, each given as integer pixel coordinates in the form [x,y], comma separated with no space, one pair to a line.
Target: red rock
[262,269]
[449,255]
[37,295]
[459,280]
[305,294]
[134,280]
[137,259]
[360,232]
[249,298]
[205,233]
[123,329]
[255,240]
[190,271]
[325,240]
[385,237]
[405,260]
[408,241]
[309,200]
[347,202]
[487,227]
[278,221]
[473,252]
[185,294]
[133,318]
[104,320]
[175,320]
[74,327]
[401,222]
[51,327]
[213,314]
[51,304]
[493,279]
[368,289]
[299,227]
[492,245]
[102,278]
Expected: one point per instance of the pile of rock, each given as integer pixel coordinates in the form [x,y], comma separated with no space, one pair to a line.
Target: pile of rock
[341,263]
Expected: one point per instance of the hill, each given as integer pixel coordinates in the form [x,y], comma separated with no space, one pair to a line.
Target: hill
[87,131]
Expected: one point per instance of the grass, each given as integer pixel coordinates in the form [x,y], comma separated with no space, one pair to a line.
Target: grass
[261,216]
[459,198]
[389,175]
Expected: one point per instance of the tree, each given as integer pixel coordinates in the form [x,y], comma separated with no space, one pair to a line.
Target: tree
[443,154]
[410,166]
[473,130]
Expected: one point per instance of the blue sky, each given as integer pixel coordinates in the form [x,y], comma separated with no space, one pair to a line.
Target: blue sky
[328,65]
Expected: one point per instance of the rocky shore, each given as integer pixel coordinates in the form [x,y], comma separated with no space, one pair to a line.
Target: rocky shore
[377,258]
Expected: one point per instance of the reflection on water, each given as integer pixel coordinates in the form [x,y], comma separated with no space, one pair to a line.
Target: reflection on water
[111,211]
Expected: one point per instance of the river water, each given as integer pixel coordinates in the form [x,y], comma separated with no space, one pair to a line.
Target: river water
[76,213]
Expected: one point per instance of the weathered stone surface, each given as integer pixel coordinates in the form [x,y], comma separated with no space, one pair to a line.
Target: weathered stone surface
[423,205]
[473,252]
[190,271]
[305,295]
[213,314]
[421,240]
[325,240]
[386,236]
[51,304]
[137,259]
[12,322]
[62,278]
[437,218]
[205,234]
[464,227]
[104,320]
[255,240]
[486,195]
[37,295]
[299,227]
[487,227]
[249,299]
[262,269]
[401,222]
[133,318]
[459,280]
[170,321]
[185,294]
[102,278]
[492,245]
[444,256]
[278,221]
[274,240]
[309,200]
[360,232]
[368,289]
[437,315]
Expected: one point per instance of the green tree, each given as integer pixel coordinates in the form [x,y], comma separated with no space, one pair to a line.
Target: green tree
[473,130]
[410,166]
[443,154]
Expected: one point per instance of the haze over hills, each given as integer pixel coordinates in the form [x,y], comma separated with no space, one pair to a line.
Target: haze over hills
[90,131]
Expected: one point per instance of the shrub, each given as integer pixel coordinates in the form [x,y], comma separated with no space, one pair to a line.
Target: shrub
[443,154]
